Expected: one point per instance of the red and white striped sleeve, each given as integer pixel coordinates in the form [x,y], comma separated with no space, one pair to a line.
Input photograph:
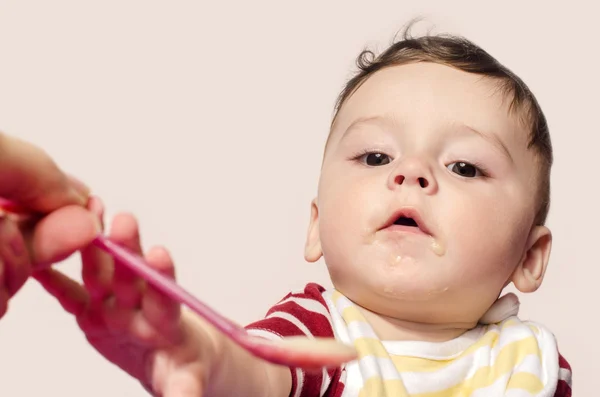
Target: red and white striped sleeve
[563,388]
[302,313]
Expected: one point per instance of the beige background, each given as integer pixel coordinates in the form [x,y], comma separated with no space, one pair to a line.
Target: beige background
[207,120]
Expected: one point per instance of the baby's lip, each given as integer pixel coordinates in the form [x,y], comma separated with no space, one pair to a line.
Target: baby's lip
[408,217]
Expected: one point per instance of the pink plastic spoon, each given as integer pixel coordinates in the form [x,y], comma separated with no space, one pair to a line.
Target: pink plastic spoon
[299,352]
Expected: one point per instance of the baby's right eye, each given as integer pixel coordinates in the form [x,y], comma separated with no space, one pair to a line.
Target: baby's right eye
[375,159]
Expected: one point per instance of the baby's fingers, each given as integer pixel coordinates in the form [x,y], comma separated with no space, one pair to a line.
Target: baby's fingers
[127,287]
[186,383]
[97,266]
[69,293]
[14,258]
[4,297]
[160,311]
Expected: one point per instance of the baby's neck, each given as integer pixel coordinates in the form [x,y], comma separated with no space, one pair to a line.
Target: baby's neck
[393,329]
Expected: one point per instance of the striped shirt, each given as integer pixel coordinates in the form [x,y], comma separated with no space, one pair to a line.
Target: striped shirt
[510,358]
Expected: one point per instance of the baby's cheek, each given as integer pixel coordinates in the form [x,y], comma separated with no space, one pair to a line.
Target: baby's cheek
[341,231]
[490,247]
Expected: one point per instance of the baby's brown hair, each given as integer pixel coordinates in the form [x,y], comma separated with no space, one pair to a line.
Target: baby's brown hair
[462,54]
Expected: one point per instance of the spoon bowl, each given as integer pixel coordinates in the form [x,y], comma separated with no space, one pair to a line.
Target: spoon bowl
[297,352]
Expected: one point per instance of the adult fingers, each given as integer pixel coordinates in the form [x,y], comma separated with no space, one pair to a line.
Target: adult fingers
[29,176]
[61,233]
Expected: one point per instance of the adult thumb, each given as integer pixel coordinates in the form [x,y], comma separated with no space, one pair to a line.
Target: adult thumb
[31,178]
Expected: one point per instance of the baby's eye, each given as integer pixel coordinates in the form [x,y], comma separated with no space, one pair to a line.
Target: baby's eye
[375,159]
[465,169]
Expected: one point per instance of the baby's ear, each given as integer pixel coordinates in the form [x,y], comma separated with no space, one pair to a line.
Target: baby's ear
[312,248]
[529,274]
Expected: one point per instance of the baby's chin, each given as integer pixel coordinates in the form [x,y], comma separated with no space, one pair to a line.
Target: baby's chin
[396,305]
[418,276]
[426,301]
[392,291]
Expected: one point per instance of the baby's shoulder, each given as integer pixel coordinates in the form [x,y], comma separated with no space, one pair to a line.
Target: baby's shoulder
[523,343]
[527,342]
[521,333]
[300,312]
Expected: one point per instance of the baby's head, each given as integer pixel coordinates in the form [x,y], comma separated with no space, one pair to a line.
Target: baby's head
[434,188]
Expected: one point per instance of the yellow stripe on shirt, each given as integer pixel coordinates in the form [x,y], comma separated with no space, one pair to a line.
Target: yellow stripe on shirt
[509,357]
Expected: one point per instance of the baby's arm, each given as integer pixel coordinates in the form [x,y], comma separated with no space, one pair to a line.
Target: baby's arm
[563,389]
[302,313]
[232,371]
[170,351]
[236,372]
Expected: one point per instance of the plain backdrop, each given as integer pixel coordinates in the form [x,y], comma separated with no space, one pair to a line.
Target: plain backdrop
[207,120]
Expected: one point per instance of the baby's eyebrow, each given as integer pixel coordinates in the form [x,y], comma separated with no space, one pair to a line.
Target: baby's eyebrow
[457,127]
[377,120]
[370,120]
[492,138]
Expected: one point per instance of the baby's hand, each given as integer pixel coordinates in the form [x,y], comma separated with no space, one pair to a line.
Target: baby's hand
[15,265]
[130,323]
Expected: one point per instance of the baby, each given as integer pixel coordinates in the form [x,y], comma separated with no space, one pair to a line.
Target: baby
[433,195]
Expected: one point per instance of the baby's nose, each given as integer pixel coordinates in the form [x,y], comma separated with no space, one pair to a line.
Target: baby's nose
[413,172]
[422,181]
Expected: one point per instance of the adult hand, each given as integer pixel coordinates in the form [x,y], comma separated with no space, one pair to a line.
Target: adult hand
[29,177]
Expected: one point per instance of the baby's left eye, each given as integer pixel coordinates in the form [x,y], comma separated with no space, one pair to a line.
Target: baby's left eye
[465,169]
[373,159]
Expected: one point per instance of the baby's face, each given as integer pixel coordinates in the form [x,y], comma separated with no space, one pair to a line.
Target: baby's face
[427,196]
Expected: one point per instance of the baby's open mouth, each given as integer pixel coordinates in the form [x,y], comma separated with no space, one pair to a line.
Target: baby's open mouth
[406,221]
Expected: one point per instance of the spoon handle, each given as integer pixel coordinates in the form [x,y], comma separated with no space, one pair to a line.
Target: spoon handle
[166,285]
[311,355]
[138,265]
